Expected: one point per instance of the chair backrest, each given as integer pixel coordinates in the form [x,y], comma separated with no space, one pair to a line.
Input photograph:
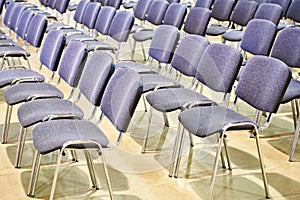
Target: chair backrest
[243,12]
[175,15]
[43,2]
[104,19]
[103,2]
[287,46]
[96,73]
[218,67]
[36,30]
[61,6]
[157,11]
[188,53]
[52,49]
[121,25]
[141,9]
[90,14]
[222,9]
[173,1]
[269,11]
[121,96]
[51,3]
[72,62]
[23,23]
[9,13]
[293,11]
[204,3]
[114,3]
[284,5]
[16,17]
[163,43]
[259,37]
[196,21]
[263,83]
[78,15]
[260,1]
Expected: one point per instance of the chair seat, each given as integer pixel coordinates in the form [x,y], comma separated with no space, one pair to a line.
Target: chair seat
[98,45]
[14,50]
[21,92]
[55,25]
[8,76]
[72,7]
[167,100]
[139,67]
[130,4]
[233,35]
[78,36]
[292,92]
[216,30]
[208,120]
[6,41]
[35,111]
[143,35]
[52,135]
[150,81]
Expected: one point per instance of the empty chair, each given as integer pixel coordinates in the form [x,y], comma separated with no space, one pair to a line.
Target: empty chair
[292,12]
[51,4]
[221,11]
[23,24]
[93,81]
[213,70]
[114,3]
[141,9]
[269,11]
[260,1]
[118,104]
[70,68]
[9,14]
[284,5]
[61,6]
[286,48]
[196,21]
[242,13]
[204,3]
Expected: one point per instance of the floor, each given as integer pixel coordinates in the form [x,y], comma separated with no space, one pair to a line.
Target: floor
[137,176]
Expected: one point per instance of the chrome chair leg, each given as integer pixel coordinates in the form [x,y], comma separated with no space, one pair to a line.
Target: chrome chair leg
[144,100]
[20,148]
[296,136]
[74,156]
[60,154]
[294,113]
[222,160]
[166,120]
[215,169]
[143,50]
[91,168]
[133,50]
[6,123]
[148,130]
[180,149]
[34,174]
[227,153]
[191,139]
[175,148]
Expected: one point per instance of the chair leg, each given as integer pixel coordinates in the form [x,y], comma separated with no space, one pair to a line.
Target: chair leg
[294,113]
[20,148]
[91,168]
[133,50]
[215,169]
[143,50]
[179,154]
[262,165]
[166,119]
[227,154]
[74,156]
[34,174]
[144,101]
[60,154]
[191,139]
[148,129]
[106,175]
[6,124]
[175,148]
[296,136]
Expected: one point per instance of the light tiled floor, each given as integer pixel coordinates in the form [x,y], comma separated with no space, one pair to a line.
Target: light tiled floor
[145,176]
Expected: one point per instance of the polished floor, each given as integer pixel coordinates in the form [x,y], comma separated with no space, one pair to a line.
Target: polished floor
[136,176]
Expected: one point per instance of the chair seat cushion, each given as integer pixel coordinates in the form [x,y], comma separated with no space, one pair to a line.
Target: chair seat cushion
[21,92]
[139,67]
[292,92]
[8,76]
[35,111]
[151,81]
[130,4]
[216,30]
[14,50]
[72,7]
[167,100]
[208,120]
[52,135]
[78,36]
[143,35]
[98,45]
[233,35]
[6,41]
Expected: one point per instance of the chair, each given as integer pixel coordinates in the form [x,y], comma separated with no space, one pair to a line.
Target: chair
[140,11]
[9,14]
[293,13]
[22,27]
[260,87]
[260,1]
[284,5]
[70,68]
[51,4]
[213,70]
[221,11]
[204,3]
[286,48]
[196,21]
[242,13]
[96,73]
[115,4]
[59,134]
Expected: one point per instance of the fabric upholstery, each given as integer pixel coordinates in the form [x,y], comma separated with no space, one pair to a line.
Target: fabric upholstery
[222,9]
[36,30]
[24,22]
[293,11]
[284,5]
[243,12]
[121,96]
[141,9]
[150,81]
[61,6]
[196,21]
[139,67]
[90,14]
[263,83]
[121,25]
[51,3]
[215,30]
[7,76]
[157,11]
[292,92]
[175,15]
[115,3]
[204,3]
[15,48]
[269,11]
[78,15]
[233,35]
[104,19]
[52,135]
[9,13]
[16,16]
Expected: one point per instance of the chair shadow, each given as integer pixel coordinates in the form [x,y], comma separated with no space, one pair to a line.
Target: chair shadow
[284,144]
